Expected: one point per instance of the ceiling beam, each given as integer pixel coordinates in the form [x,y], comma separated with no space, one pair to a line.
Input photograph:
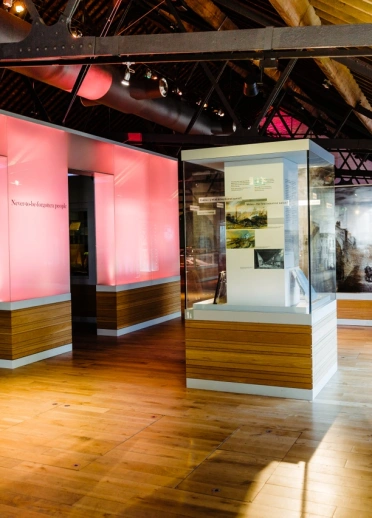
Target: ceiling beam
[47,45]
[360,145]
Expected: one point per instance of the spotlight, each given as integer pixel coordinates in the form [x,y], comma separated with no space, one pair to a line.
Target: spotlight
[163,87]
[250,89]
[327,84]
[7,3]
[125,81]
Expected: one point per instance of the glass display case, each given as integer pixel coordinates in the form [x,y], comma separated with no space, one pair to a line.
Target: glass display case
[265,215]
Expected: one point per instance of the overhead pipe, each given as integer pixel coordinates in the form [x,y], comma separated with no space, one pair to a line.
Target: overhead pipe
[102,85]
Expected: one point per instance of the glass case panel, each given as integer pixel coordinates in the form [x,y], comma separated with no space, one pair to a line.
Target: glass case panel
[260,231]
[205,248]
[322,232]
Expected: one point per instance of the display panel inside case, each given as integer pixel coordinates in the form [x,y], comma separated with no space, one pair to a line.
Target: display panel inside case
[267,220]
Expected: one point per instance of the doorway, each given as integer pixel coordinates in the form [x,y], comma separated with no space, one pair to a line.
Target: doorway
[82,231]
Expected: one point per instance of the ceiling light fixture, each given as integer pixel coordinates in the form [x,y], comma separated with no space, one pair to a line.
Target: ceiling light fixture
[76,33]
[19,7]
[126,79]
[8,3]
[250,89]
[327,84]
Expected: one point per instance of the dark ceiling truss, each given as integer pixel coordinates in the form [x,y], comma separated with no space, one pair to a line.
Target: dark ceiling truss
[354,162]
[357,65]
[56,45]
[209,74]
[205,100]
[274,94]
[336,118]
[85,68]
[359,147]
[347,179]
[39,106]
[249,13]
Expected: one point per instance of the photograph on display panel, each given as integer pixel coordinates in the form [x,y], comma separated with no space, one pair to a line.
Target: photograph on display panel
[250,214]
[240,238]
[269,259]
[354,239]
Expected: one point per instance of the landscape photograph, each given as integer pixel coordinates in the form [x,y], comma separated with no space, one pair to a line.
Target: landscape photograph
[241,238]
[246,214]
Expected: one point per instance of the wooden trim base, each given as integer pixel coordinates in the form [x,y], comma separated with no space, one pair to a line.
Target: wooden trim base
[29,331]
[128,308]
[137,327]
[26,360]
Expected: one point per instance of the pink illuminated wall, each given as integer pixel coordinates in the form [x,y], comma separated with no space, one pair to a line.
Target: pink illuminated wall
[136,210]
[105,228]
[146,216]
[164,217]
[4,231]
[38,210]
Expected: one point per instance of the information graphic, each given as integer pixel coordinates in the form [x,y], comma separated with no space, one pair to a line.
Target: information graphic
[261,232]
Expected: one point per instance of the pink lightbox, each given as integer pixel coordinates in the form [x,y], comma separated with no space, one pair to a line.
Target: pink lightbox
[38,210]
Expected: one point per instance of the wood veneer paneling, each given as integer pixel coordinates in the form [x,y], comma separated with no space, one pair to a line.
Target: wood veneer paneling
[28,331]
[354,309]
[130,307]
[259,354]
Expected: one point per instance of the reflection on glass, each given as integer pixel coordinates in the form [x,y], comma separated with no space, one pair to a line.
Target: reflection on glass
[322,231]
[205,246]
[353,238]
[274,220]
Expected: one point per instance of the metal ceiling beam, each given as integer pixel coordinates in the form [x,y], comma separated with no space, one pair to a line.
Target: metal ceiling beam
[54,44]
[357,145]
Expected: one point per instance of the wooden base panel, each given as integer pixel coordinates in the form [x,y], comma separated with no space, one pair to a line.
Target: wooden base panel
[25,332]
[354,309]
[118,310]
[253,354]
[241,356]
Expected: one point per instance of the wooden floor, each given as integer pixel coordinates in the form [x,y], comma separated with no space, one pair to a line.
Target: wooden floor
[110,430]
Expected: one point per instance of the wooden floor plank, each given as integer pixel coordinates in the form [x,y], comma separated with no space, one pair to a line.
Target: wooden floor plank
[110,430]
